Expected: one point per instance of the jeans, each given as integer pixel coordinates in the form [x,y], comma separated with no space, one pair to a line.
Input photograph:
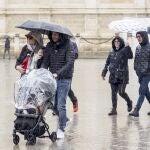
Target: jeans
[143,92]
[63,87]
[118,88]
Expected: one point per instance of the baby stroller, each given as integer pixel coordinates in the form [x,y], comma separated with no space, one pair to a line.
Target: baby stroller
[34,94]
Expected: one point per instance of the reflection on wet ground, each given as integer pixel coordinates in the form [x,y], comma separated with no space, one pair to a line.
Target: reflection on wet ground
[90,128]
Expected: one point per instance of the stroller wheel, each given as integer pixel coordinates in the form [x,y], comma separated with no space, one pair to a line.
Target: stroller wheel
[16,139]
[31,139]
[53,136]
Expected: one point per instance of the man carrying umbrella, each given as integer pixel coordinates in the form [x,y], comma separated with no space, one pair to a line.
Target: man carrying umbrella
[59,59]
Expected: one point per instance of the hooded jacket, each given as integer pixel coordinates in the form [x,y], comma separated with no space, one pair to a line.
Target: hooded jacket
[142,56]
[117,62]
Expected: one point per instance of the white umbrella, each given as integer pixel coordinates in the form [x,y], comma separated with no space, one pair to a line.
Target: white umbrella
[127,26]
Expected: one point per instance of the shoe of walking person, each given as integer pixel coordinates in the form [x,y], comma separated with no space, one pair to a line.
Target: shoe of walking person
[112,112]
[60,134]
[129,106]
[148,113]
[75,106]
[134,113]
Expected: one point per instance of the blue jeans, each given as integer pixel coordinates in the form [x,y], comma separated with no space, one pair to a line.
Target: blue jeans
[143,92]
[63,87]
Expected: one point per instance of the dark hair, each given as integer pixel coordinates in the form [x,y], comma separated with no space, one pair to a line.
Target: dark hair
[62,38]
[144,36]
[122,44]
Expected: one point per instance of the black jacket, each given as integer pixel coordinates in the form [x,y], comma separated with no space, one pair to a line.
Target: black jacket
[24,52]
[142,56]
[59,59]
[7,44]
[117,63]
[74,48]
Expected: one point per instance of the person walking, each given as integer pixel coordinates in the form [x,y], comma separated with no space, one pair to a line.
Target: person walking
[59,59]
[142,69]
[7,48]
[117,64]
[71,94]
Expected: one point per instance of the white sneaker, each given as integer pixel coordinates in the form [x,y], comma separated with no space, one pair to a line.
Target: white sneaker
[60,134]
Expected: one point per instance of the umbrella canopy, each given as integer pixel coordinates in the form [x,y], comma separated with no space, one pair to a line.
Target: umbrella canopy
[44,27]
[127,26]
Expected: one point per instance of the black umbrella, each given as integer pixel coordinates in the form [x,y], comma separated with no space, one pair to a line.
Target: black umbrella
[44,27]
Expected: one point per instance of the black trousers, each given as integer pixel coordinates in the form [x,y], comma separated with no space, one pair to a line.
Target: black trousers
[118,88]
[8,51]
[72,97]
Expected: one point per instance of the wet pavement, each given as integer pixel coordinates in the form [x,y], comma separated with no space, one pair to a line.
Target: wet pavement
[90,128]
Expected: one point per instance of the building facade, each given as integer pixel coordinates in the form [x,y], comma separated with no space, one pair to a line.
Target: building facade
[88,19]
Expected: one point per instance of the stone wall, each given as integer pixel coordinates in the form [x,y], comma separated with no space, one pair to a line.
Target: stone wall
[89,18]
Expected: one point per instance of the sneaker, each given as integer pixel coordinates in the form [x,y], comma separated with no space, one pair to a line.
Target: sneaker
[112,112]
[129,106]
[75,107]
[134,113]
[60,134]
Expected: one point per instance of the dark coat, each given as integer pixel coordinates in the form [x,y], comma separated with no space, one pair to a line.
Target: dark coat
[142,56]
[24,52]
[59,59]
[7,44]
[74,49]
[117,63]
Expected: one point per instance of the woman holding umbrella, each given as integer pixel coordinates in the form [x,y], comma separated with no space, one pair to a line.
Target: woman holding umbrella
[117,64]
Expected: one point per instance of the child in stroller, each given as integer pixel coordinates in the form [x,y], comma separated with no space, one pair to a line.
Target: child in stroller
[34,94]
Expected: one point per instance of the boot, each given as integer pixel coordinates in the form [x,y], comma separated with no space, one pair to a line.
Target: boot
[148,113]
[129,106]
[134,113]
[112,112]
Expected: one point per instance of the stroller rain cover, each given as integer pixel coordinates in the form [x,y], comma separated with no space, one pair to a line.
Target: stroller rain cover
[34,88]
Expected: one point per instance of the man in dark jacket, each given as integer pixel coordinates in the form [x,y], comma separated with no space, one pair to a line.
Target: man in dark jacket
[142,69]
[59,59]
[117,63]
